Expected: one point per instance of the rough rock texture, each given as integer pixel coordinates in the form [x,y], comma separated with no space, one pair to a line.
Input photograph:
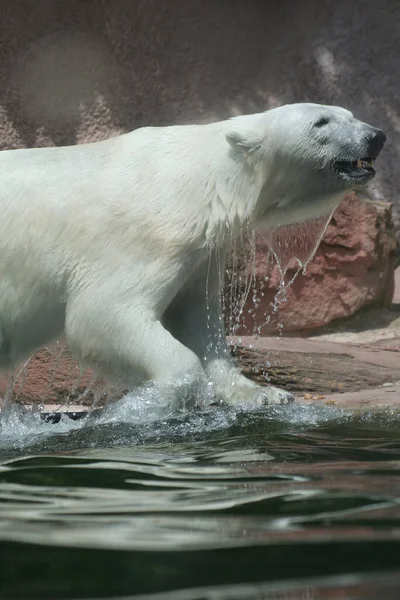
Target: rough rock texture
[50,375]
[83,70]
[53,376]
[352,268]
[396,296]
[315,366]
[352,376]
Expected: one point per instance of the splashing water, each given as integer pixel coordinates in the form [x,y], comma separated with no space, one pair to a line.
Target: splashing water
[137,421]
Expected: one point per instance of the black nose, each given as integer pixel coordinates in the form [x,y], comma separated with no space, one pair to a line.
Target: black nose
[375,139]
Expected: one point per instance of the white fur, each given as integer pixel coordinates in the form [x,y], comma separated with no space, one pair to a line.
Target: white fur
[121,243]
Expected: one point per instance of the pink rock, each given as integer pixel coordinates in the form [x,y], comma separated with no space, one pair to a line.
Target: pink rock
[51,375]
[396,297]
[352,268]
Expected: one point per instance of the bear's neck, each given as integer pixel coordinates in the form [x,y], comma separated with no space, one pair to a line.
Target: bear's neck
[232,207]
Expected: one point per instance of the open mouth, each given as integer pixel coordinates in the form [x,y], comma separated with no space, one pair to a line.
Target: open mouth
[359,170]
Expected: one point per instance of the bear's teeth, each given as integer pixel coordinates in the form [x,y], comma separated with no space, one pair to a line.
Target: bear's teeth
[367,163]
[363,164]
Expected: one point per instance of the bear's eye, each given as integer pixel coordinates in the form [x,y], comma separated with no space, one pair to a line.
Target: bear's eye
[321,122]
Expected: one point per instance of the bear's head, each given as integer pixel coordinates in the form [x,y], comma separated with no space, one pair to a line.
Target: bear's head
[307,156]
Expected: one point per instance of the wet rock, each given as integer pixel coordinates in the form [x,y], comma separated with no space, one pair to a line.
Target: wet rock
[354,267]
[53,376]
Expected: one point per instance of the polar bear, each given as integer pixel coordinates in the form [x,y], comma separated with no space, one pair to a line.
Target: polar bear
[121,243]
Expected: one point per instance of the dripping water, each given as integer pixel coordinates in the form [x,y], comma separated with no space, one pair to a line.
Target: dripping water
[290,251]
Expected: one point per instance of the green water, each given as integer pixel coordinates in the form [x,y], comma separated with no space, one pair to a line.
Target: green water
[280,503]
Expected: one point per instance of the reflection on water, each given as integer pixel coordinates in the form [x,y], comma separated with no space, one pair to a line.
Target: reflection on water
[250,503]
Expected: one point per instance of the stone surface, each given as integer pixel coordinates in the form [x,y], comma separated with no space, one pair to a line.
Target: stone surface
[53,376]
[396,295]
[352,268]
[316,367]
[369,375]
[50,375]
[359,378]
[377,399]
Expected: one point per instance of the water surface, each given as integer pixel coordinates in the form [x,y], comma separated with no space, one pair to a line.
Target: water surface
[250,503]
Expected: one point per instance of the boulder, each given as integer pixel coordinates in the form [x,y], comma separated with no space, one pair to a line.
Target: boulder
[352,268]
[52,376]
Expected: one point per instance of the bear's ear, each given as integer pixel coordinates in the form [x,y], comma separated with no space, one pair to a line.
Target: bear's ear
[241,144]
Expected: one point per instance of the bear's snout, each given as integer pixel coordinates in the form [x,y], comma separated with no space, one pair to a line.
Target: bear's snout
[375,140]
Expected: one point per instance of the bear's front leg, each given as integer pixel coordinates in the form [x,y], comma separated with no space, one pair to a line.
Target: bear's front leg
[128,344]
[195,319]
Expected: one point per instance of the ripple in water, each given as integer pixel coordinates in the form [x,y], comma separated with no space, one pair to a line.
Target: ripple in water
[245,502]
